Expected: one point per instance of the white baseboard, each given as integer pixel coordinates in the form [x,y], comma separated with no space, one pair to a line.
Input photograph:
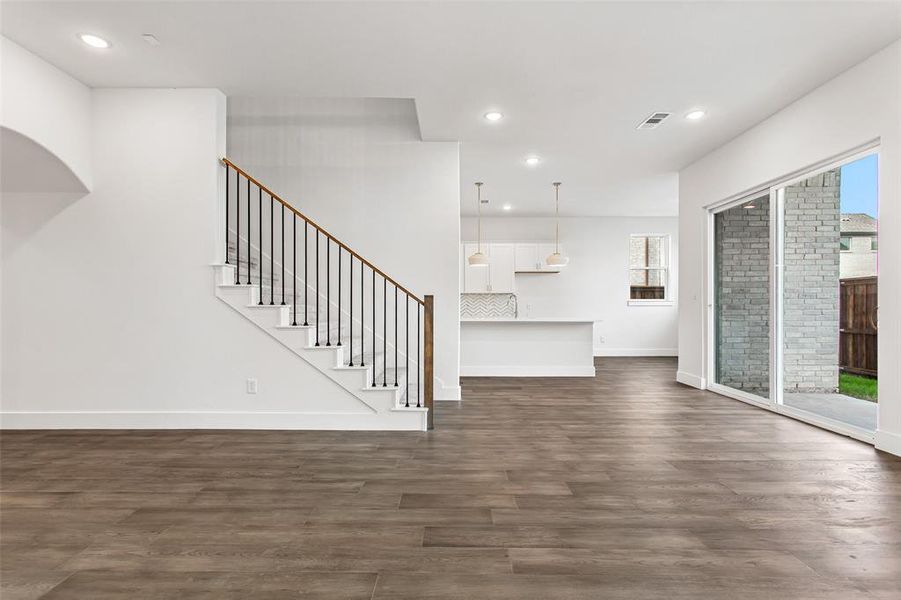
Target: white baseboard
[691,379]
[412,420]
[448,394]
[527,371]
[888,442]
[603,351]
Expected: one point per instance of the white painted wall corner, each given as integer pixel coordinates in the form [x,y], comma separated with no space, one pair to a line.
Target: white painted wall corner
[888,442]
[691,379]
[452,393]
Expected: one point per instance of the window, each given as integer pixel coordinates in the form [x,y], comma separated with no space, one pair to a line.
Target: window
[649,269]
[874,245]
[844,243]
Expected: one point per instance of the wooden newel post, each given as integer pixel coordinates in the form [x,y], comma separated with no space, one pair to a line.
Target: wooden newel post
[429,355]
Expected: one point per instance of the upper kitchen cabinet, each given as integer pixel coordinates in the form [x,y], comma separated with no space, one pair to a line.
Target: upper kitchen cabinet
[497,277]
[475,279]
[501,268]
[526,258]
[504,261]
[532,257]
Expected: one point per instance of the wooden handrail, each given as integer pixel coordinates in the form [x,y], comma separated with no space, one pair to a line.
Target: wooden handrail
[307,219]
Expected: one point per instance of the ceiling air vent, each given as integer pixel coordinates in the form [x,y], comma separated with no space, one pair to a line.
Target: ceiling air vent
[654,121]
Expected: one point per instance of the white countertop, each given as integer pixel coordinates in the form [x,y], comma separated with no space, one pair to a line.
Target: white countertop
[527,320]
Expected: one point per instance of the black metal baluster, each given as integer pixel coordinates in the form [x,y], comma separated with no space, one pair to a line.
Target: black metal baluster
[407,351]
[328,291]
[294,268]
[385,332]
[395,335]
[417,356]
[237,228]
[248,233]
[339,294]
[271,251]
[283,254]
[227,167]
[362,317]
[306,281]
[260,242]
[373,328]
[317,286]
[350,264]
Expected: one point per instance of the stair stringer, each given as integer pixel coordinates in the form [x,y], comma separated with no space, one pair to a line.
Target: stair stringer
[383,402]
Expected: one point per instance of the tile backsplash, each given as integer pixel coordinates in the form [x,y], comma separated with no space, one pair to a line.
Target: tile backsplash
[488,306]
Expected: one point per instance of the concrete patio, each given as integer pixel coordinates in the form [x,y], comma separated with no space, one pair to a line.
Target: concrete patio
[839,407]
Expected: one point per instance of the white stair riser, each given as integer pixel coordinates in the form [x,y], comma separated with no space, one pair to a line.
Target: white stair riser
[267,316]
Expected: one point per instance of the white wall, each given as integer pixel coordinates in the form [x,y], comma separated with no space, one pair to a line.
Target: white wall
[109,312]
[861,105]
[48,106]
[595,284]
[358,168]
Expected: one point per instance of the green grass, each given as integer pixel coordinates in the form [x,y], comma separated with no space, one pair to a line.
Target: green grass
[857,386]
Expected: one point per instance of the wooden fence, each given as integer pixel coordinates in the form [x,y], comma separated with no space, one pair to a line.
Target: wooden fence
[857,326]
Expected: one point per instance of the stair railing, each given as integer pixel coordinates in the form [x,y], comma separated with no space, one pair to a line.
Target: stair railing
[250,222]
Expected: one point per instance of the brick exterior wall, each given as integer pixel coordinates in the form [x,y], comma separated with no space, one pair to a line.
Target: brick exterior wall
[742,297]
[811,284]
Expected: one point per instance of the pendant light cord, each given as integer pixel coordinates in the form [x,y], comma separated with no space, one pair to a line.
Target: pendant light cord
[479,193]
[557,217]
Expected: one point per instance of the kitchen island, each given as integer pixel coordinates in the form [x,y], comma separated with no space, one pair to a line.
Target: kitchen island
[526,347]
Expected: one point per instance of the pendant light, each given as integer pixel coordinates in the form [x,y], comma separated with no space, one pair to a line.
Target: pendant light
[556,259]
[478,259]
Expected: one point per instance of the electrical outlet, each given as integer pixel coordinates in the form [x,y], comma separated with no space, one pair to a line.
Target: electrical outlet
[251,385]
[601,339]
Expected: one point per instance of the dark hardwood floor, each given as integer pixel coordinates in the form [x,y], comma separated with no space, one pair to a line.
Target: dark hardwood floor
[627,486]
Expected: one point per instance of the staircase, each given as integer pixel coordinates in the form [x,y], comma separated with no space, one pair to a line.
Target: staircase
[327,304]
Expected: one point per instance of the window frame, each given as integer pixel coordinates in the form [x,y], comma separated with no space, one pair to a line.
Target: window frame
[667,300]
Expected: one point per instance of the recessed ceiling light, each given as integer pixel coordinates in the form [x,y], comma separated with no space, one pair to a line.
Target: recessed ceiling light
[695,115]
[533,161]
[507,207]
[94,41]
[494,116]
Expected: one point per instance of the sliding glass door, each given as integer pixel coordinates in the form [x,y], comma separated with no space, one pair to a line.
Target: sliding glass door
[793,297]
[830,282]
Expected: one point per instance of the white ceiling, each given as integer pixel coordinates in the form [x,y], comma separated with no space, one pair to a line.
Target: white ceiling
[573,79]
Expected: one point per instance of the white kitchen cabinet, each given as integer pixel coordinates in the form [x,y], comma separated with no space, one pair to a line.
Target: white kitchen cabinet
[497,277]
[526,258]
[532,258]
[475,279]
[504,261]
[501,268]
